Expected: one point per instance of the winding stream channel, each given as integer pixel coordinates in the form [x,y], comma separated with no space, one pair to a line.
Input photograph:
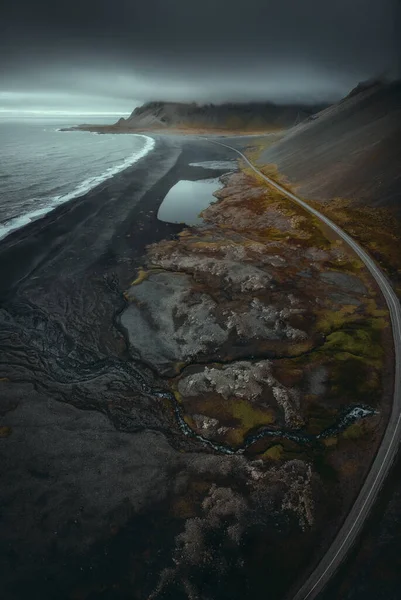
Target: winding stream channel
[351,415]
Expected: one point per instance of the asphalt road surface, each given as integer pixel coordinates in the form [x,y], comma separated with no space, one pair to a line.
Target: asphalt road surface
[389,446]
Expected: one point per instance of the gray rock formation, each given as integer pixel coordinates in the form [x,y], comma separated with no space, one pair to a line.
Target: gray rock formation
[167,323]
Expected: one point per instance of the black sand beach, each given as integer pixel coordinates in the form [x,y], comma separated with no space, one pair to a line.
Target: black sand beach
[84,444]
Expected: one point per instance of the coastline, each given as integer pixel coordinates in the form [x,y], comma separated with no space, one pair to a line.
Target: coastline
[59,224]
[94,220]
[81,189]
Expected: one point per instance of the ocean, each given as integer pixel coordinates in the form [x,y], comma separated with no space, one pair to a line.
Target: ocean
[41,167]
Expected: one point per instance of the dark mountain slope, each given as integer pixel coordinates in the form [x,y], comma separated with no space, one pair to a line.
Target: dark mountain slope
[350,150]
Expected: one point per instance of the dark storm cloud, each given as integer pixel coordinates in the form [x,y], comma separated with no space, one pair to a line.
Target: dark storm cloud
[209,50]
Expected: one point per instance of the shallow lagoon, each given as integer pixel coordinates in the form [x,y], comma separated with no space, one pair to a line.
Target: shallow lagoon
[186,200]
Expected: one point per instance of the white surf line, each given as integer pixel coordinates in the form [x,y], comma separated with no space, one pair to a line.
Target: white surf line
[391,439]
[81,189]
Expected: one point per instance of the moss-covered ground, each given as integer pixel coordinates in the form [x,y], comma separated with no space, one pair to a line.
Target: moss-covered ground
[338,365]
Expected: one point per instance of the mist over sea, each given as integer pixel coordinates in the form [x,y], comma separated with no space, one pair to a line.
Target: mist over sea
[41,167]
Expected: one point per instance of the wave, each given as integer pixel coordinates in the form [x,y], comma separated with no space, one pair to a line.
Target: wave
[83,188]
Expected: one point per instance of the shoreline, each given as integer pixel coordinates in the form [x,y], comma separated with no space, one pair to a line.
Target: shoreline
[20,221]
[24,249]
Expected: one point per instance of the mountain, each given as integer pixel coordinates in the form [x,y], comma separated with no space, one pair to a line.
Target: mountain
[350,150]
[230,116]
[347,161]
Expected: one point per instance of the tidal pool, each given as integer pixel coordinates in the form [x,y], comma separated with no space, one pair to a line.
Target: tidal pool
[186,200]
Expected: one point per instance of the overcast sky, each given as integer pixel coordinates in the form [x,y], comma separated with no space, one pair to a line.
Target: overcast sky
[108,56]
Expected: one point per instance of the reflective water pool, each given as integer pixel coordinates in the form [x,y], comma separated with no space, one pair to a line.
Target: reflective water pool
[186,200]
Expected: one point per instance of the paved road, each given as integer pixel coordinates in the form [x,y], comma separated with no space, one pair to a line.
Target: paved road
[389,446]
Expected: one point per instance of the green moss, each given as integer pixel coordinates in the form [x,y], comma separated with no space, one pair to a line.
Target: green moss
[274,235]
[319,238]
[330,320]
[189,421]
[178,396]
[274,452]
[249,416]
[353,357]
[379,323]
[358,342]
[380,313]
[141,276]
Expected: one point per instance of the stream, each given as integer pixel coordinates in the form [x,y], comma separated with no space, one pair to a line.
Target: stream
[351,415]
